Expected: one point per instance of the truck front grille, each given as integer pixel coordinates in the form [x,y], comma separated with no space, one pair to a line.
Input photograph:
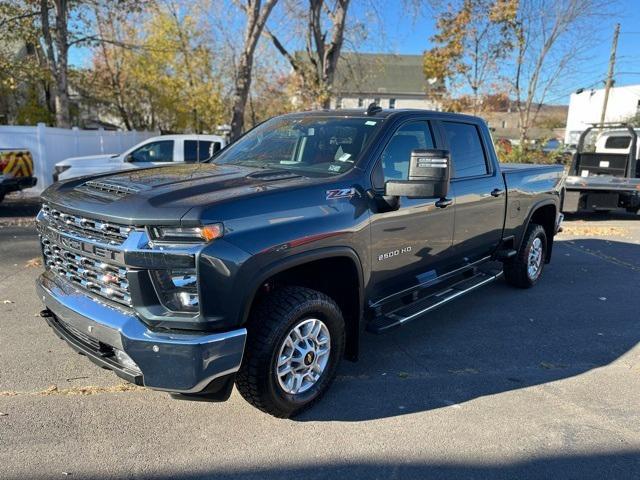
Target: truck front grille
[85,227]
[96,276]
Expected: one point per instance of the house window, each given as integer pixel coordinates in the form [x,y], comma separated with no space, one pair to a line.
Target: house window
[392,103]
[360,102]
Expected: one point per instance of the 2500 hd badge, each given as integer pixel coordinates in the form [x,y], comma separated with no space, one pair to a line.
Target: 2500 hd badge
[394,253]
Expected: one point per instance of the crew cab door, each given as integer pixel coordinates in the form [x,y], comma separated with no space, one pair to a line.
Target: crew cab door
[411,241]
[479,190]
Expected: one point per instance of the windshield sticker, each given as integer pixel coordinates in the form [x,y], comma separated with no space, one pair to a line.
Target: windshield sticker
[370,123]
[311,132]
[340,193]
[335,168]
[344,157]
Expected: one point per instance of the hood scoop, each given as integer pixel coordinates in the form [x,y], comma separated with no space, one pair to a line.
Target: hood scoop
[109,189]
[272,175]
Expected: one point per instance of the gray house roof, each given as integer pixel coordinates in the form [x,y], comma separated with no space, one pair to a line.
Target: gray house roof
[380,74]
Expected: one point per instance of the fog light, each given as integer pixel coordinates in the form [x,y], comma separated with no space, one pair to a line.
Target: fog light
[126,361]
[188,300]
[177,289]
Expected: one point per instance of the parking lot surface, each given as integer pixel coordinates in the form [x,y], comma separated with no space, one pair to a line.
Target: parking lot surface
[505,383]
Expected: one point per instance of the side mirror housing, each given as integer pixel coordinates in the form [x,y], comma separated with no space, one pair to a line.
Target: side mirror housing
[429,175]
[129,158]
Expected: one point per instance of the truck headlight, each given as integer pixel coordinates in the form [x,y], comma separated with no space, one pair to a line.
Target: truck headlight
[204,233]
[177,289]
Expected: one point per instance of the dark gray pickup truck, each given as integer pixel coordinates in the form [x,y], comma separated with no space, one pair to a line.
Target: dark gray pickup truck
[263,267]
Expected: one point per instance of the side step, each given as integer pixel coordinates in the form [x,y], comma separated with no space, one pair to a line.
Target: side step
[406,313]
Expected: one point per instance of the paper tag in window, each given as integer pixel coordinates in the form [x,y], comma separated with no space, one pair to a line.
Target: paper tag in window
[370,123]
[604,164]
[344,157]
[584,173]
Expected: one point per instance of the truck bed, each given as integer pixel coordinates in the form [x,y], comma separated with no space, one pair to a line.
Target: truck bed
[528,185]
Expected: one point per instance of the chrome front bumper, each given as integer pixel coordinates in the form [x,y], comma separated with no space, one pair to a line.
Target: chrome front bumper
[174,362]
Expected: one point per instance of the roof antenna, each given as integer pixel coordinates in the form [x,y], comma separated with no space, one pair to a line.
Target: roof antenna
[373,108]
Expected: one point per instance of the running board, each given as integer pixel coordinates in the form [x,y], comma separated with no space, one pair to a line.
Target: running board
[406,313]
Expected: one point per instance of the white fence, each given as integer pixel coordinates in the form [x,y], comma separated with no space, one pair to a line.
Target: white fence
[50,145]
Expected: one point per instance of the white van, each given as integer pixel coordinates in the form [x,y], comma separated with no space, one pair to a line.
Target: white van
[152,152]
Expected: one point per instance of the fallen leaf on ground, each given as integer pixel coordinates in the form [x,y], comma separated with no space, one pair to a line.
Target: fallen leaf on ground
[7,301]
[34,262]
[594,231]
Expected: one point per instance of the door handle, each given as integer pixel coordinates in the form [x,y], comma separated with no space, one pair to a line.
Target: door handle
[443,202]
[496,192]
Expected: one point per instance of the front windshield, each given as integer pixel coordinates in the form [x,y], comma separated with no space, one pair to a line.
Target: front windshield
[309,145]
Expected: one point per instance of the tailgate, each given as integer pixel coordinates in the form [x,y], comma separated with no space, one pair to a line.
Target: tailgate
[595,164]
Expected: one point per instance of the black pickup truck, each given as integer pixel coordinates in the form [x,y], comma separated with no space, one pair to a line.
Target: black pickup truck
[264,266]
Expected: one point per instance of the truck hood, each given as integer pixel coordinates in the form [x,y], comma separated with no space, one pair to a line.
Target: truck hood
[104,158]
[163,195]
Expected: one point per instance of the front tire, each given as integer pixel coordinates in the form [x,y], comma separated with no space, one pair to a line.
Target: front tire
[296,339]
[525,269]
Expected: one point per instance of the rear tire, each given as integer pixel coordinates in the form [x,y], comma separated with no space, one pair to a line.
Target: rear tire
[525,269]
[286,369]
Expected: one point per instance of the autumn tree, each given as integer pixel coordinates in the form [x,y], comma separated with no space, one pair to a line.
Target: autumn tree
[24,79]
[324,38]
[552,36]
[155,69]
[473,38]
[256,13]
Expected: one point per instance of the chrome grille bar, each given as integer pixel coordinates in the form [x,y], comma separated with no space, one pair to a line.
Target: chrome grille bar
[91,229]
[99,277]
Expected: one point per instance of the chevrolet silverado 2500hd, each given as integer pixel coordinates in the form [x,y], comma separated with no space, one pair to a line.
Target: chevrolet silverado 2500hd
[263,267]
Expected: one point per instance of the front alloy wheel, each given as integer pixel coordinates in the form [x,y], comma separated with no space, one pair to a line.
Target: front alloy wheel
[303,356]
[296,339]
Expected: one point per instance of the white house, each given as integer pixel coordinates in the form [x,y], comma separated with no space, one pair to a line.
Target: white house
[585,108]
[391,81]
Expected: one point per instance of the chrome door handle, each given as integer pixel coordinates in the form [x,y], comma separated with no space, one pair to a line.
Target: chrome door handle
[443,202]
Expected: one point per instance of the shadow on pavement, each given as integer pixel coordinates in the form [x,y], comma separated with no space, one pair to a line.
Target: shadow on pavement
[19,206]
[620,466]
[578,318]
[615,215]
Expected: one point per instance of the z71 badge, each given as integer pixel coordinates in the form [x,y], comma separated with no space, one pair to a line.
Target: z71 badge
[340,193]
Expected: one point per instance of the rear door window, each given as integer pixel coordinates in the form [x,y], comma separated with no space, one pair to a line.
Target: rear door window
[198,150]
[465,145]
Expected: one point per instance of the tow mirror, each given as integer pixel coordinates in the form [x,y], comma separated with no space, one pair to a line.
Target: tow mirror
[429,174]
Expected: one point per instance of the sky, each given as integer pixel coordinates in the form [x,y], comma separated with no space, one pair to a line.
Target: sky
[393,29]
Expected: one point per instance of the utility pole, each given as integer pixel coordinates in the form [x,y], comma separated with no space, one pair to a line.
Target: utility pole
[612,62]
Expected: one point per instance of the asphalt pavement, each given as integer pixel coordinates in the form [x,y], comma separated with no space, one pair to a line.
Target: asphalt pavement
[505,383]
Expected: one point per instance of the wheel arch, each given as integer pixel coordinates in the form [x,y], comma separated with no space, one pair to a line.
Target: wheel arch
[543,213]
[308,269]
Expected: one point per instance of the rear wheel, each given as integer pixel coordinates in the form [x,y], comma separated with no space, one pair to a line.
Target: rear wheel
[525,269]
[295,342]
